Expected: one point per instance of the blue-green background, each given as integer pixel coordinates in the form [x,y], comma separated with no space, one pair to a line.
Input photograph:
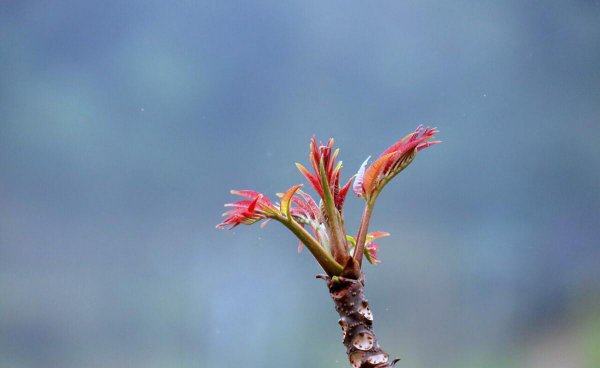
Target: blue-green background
[123,125]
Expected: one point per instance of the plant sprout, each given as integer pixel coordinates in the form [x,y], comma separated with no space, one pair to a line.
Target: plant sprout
[320,228]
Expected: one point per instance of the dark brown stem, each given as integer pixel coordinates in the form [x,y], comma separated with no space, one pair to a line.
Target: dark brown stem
[356,320]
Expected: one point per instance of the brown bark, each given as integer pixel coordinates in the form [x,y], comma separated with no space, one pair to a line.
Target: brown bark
[356,320]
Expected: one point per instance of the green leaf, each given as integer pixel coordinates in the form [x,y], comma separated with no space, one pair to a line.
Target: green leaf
[351,239]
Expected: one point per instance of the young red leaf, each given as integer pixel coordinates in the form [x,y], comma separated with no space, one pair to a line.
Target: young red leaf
[372,173]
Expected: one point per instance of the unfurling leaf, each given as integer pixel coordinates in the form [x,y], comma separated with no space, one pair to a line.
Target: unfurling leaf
[286,199]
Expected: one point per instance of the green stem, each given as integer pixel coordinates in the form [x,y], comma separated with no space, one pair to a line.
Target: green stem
[334,222]
[366,217]
[327,262]
[363,230]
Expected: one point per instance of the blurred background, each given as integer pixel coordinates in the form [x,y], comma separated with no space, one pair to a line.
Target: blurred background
[123,125]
